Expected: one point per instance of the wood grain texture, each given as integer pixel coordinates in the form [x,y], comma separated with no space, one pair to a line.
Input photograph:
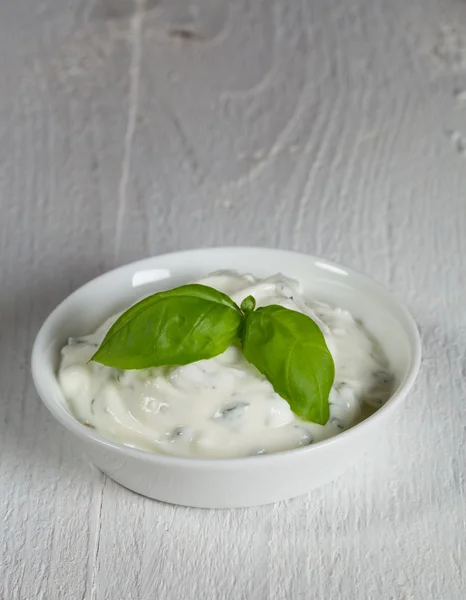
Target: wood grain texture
[130,128]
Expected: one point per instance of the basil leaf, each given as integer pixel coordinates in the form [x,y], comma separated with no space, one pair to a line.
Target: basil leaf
[248,304]
[290,350]
[176,327]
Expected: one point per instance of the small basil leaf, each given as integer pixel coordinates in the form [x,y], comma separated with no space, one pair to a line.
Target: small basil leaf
[176,327]
[248,304]
[290,350]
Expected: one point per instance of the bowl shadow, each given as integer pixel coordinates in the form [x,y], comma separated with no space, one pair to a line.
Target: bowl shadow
[27,429]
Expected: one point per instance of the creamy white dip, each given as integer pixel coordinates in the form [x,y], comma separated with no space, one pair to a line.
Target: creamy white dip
[223,407]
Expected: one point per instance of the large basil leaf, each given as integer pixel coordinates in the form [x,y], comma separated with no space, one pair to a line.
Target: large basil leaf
[290,350]
[176,327]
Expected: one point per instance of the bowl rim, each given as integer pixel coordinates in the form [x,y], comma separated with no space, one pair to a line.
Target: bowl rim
[89,435]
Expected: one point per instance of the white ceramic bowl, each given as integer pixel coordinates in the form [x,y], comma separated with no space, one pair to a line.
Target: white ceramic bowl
[232,482]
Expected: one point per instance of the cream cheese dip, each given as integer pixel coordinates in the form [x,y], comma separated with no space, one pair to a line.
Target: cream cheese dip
[223,407]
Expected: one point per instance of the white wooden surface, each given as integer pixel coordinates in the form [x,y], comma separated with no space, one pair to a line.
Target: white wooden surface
[131,128]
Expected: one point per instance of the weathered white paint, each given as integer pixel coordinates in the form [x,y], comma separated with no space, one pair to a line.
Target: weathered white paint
[326,126]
